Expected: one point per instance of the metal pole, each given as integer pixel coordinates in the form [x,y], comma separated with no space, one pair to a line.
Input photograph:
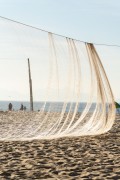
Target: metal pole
[30,85]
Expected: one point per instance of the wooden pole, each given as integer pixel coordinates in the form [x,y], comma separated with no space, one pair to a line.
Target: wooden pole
[30,85]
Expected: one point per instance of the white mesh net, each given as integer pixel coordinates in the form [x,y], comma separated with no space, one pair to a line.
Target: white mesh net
[68,80]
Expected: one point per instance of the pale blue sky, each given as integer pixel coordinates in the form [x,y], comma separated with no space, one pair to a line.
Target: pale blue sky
[88,20]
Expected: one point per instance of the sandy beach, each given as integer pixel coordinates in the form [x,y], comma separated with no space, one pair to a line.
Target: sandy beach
[89,157]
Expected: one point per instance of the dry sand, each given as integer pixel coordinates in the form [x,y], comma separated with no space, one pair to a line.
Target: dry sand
[91,157]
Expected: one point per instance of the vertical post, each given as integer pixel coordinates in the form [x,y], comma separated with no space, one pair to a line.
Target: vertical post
[30,85]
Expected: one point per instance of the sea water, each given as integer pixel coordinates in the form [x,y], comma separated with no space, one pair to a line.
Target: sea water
[52,106]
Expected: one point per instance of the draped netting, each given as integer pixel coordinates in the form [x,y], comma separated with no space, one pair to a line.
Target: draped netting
[68,79]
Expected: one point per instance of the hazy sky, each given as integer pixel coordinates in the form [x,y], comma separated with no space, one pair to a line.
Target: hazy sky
[88,20]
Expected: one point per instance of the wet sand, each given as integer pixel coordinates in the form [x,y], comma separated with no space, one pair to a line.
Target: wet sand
[90,157]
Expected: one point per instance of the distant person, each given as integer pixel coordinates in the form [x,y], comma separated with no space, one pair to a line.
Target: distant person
[21,108]
[10,107]
[24,108]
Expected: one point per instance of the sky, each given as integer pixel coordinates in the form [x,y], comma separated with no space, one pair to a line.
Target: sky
[95,21]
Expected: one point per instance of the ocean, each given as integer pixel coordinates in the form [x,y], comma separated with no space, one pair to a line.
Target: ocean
[53,106]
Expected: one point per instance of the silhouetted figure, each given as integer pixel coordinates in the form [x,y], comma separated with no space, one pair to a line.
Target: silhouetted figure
[24,108]
[10,107]
[21,108]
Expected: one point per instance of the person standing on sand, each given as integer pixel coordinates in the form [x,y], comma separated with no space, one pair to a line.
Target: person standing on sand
[21,108]
[10,107]
[24,108]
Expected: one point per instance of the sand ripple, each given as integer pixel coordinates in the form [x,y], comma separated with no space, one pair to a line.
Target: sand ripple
[95,157]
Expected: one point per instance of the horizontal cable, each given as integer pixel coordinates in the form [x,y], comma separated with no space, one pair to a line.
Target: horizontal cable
[33,27]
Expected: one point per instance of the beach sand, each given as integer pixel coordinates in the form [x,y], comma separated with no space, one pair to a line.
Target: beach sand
[89,157]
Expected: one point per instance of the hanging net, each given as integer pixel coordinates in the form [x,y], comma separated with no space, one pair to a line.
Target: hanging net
[69,84]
